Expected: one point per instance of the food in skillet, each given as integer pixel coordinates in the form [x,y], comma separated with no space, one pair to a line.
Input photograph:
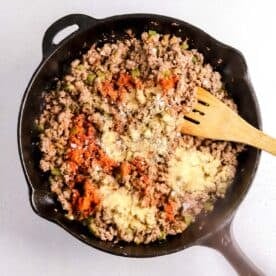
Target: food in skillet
[110,138]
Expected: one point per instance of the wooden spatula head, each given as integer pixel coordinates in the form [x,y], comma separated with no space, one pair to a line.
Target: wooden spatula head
[209,118]
[212,119]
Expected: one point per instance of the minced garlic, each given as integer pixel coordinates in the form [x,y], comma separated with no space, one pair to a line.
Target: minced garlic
[193,171]
[125,210]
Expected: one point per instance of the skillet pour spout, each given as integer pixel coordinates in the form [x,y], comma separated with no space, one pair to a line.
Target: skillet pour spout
[213,229]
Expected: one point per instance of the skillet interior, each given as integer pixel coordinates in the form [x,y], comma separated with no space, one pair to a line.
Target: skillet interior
[228,61]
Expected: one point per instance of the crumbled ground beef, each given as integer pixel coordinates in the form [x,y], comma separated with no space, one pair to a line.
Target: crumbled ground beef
[110,138]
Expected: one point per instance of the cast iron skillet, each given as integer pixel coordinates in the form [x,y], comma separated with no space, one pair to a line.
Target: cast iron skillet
[211,230]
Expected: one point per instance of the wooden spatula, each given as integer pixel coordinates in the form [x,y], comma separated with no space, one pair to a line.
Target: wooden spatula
[212,119]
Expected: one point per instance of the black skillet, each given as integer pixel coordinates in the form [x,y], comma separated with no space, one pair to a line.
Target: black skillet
[214,229]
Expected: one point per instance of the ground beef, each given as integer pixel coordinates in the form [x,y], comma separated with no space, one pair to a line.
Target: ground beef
[110,139]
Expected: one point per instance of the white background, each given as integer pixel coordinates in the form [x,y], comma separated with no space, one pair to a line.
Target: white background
[32,246]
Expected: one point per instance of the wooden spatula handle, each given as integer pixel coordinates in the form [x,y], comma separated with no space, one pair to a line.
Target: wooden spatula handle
[258,139]
[264,142]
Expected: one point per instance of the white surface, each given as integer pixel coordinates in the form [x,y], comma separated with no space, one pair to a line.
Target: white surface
[32,246]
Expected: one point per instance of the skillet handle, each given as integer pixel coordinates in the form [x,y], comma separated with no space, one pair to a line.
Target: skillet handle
[224,241]
[82,21]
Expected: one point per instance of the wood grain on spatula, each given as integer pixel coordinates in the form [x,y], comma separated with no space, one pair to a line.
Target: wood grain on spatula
[212,119]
